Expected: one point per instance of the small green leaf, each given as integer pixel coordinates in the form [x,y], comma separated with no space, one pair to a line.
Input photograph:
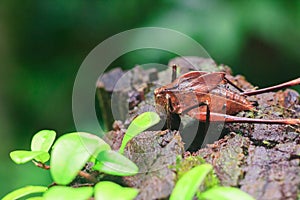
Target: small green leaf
[187,186]
[43,140]
[44,157]
[111,190]
[138,125]
[70,153]
[114,163]
[67,193]
[22,156]
[225,193]
[24,191]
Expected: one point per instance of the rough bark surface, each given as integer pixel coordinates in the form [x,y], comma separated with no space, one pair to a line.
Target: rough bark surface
[262,160]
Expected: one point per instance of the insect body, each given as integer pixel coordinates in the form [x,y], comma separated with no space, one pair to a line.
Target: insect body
[203,96]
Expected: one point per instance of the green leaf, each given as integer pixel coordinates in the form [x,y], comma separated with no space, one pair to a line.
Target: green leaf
[225,193]
[24,191]
[35,198]
[111,190]
[43,140]
[188,184]
[44,157]
[70,153]
[138,125]
[22,156]
[114,163]
[67,193]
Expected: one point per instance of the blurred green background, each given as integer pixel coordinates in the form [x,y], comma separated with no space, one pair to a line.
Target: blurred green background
[42,45]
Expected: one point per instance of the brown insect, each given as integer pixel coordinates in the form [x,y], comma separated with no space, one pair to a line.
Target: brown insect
[204,96]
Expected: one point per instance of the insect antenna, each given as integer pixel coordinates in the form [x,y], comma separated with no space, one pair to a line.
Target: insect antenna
[235,86]
[174,71]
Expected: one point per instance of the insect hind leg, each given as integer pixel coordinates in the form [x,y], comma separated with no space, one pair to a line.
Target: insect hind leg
[272,88]
[207,118]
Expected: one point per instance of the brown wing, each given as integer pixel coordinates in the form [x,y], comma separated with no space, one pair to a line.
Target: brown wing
[218,100]
[183,80]
[206,82]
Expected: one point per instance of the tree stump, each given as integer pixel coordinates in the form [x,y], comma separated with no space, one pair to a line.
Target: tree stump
[262,160]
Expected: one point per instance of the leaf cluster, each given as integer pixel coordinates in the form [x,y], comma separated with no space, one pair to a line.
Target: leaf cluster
[197,178]
[71,152]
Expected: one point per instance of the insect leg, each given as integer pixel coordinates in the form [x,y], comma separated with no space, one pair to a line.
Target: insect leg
[172,118]
[207,113]
[169,108]
[272,88]
[217,117]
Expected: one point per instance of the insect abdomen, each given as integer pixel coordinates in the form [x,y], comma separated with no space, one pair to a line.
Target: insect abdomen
[228,100]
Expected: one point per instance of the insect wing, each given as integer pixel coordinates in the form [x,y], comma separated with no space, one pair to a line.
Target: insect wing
[184,80]
[206,82]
